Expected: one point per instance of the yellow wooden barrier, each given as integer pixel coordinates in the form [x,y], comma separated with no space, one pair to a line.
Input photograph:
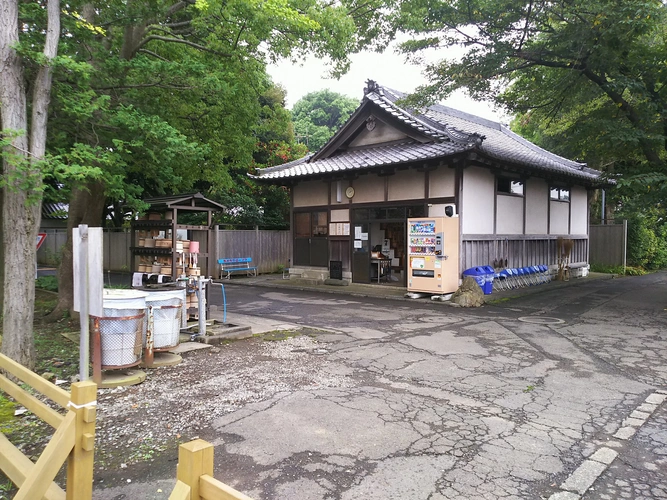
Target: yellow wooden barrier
[195,475]
[73,440]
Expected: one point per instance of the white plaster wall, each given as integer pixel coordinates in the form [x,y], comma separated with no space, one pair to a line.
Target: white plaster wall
[368,189]
[406,185]
[311,193]
[560,212]
[509,214]
[438,210]
[537,206]
[441,182]
[579,213]
[477,201]
[340,215]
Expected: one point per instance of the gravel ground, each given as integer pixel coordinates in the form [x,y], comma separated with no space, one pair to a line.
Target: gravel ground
[140,427]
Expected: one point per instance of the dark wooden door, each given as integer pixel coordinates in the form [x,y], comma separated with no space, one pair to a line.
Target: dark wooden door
[361,254]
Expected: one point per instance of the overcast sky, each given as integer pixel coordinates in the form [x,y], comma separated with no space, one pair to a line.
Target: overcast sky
[388,69]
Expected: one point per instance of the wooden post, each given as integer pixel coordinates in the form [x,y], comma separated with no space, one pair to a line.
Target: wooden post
[150,327]
[97,351]
[80,461]
[194,460]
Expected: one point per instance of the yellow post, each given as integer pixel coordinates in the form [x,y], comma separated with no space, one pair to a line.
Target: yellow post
[194,460]
[80,461]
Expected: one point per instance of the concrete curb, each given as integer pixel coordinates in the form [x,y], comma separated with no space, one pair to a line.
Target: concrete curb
[398,293]
[584,476]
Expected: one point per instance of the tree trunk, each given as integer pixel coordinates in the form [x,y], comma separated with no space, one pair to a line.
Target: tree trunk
[22,205]
[2,256]
[86,206]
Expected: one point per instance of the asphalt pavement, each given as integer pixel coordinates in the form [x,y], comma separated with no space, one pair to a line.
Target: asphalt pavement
[556,391]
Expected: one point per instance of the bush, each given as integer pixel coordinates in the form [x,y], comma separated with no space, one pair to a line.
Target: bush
[647,242]
[49,283]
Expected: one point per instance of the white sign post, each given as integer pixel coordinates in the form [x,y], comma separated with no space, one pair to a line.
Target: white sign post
[88,285]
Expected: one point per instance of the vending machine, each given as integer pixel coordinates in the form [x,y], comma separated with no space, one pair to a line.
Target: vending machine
[433,255]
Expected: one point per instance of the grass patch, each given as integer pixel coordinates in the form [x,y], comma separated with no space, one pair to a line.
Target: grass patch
[278,335]
[7,407]
[629,270]
[55,354]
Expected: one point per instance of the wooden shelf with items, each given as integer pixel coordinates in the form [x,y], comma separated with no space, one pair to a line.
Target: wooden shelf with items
[154,240]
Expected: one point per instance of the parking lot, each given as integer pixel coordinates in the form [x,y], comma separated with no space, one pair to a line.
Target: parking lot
[556,394]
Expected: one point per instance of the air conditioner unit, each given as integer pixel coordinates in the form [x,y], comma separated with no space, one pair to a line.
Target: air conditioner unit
[450,210]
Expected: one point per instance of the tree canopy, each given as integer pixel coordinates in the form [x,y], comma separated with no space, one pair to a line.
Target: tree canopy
[589,71]
[152,98]
[318,115]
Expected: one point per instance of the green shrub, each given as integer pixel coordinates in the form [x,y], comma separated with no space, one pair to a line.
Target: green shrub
[49,283]
[647,241]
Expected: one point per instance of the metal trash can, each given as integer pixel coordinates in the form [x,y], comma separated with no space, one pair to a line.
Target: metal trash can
[479,273]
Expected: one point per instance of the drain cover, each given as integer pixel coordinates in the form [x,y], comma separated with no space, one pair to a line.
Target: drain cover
[541,320]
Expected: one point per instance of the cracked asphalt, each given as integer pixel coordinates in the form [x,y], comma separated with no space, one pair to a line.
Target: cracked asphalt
[420,400]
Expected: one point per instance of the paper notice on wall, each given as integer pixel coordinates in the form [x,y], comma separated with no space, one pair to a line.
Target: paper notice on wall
[364,237]
[339,228]
[346,229]
[357,232]
[417,263]
[332,229]
[357,243]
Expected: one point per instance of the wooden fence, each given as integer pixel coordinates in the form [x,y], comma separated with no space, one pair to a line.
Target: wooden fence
[269,249]
[519,251]
[73,440]
[609,243]
[115,249]
[194,474]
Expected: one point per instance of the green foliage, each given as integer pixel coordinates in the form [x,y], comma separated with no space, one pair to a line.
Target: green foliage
[153,98]
[49,283]
[586,77]
[249,203]
[647,240]
[318,115]
[628,271]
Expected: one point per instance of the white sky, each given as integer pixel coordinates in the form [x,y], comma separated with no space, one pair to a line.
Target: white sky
[388,69]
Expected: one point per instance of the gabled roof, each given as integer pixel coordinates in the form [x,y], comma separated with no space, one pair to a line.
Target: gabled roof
[189,200]
[437,133]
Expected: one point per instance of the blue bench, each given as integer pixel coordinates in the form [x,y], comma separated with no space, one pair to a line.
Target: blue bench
[229,266]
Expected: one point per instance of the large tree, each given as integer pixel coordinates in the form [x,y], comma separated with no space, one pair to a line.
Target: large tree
[23,146]
[318,115]
[173,92]
[594,59]
[251,204]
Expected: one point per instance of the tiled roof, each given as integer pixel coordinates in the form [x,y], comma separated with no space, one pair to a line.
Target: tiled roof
[387,154]
[451,131]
